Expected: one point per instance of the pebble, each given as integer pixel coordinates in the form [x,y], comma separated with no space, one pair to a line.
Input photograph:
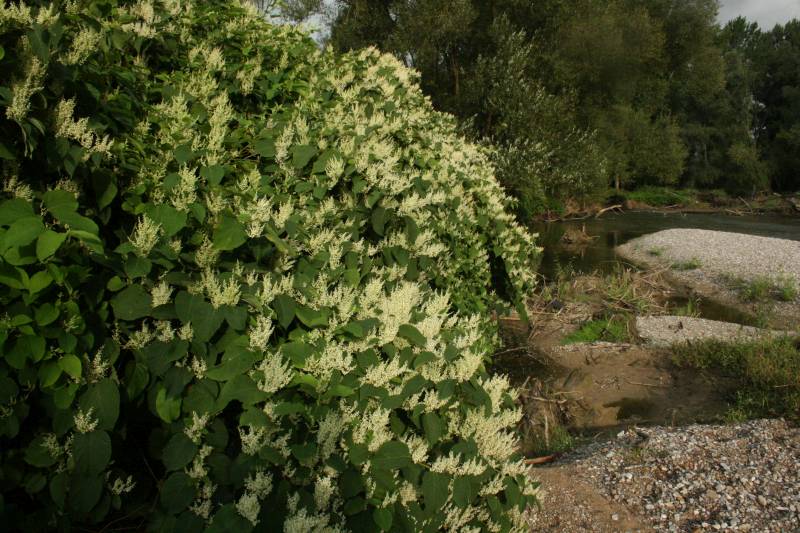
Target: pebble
[741,477]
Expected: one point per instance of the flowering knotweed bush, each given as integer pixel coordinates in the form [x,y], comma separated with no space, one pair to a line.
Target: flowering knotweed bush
[245,284]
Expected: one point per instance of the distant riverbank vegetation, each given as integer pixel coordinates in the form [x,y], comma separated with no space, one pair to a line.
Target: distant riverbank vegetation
[579,96]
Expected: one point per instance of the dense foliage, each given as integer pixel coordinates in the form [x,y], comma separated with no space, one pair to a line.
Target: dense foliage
[245,284]
[579,95]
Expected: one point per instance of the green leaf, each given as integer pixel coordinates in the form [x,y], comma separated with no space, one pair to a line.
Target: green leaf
[48,244]
[2,52]
[265,147]
[13,210]
[5,153]
[229,235]
[23,231]
[433,427]
[383,518]
[85,492]
[60,202]
[92,452]
[49,374]
[115,284]
[302,154]
[64,396]
[435,490]
[241,388]
[392,455]
[227,519]
[39,282]
[58,488]
[46,314]
[168,409]
[311,317]
[179,452]
[298,352]
[171,220]
[412,335]
[183,154]
[177,493]
[103,399]
[132,303]
[285,308]
[195,309]
[213,174]
[239,361]
[378,219]
[465,490]
[37,454]
[71,365]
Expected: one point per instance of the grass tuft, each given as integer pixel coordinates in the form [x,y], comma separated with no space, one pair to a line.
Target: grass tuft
[768,372]
[613,329]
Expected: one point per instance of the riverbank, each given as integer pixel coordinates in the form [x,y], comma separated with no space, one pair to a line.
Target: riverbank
[759,276]
[669,200]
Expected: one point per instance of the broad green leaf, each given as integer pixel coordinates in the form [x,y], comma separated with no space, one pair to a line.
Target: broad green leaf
[46,314]
[132,303]
[433,427]
[39,281]
[229,234]
[23,231]
[63,397]
[213,174]
[465,490]
[168,409]
[48,244]
[171,220]
[85,492]
[435,490]
[241,388]
[179,452]
[302,154]
[103,399]
[228,519]
[311,317]
[49,374]
[297,352]
[58,488]
[378,220]
[241,361]
[285,307]
[204,318]
[13,210]
[383,518]
[59,202]
[177,493]
[264,147]
[92,452]
[37,454]
[412,335]
[183,154]
[115,284]
[71,365]
[5,153]
[392,455]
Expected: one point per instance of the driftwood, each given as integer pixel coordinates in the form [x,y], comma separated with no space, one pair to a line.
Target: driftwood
[612,208]
[542,460]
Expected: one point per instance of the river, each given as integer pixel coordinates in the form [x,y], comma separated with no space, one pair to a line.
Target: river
[612,230]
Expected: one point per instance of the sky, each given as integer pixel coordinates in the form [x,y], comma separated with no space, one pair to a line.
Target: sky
[766,12]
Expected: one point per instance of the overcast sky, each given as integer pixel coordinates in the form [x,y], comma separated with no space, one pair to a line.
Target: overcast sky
[766,12]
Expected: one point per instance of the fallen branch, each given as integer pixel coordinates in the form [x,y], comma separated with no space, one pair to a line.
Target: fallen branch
[613,207]
[657,386]
[542,460]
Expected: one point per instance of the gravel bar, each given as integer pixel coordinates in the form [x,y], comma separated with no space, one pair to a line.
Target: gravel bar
[742,477]
[719,252]
[664,331]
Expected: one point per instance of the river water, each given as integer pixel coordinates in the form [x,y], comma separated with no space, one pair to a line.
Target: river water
[614,229]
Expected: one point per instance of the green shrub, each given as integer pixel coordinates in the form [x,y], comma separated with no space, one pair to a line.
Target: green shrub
[245,283]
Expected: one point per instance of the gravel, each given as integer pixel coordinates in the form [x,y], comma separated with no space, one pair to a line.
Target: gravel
[732,254]
[741,477]
[664,331]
